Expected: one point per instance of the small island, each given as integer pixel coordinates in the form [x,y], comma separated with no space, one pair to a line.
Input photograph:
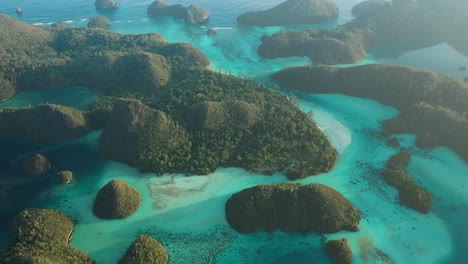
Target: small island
[42,236]
[291,208]
[410,193]
[339,251]
[101,22]
[65,177]
[106,4]
[145,250]
[192,14]
[35,165]
[116,200]
[292,12]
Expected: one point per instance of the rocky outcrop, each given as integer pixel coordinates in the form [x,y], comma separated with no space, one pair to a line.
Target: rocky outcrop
[116,200]
[43,123]
[145,250]
[211,31]
[192,14]
[292,12]
[339,251]
[65,177]
[35,165]
[99,22]
[291,208]
[367,8]
[106,4]
[42,236]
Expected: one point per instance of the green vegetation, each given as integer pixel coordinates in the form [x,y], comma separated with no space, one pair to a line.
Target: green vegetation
[411,193]
[42,236]
[292,12]
[174,89]
[145,250]
[291,208]
[99,22]
[43,123]
[388,29]
[106,4]
[65,176]
[116,200]
[433,105]
[35,165]
[339,251]
[320,46]
[192,14]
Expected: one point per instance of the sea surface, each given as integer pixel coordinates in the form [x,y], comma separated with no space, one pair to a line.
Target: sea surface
[187,213]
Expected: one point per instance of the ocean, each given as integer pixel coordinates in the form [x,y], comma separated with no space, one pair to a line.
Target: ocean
[187,213]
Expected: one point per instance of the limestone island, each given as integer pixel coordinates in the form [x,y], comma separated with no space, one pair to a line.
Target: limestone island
[387,28]
[291,208]
[42,236]
[35,165]
[292,12]
[192,14]
[145,250]
[116,200]
[339,251]
[175,114]
[101,22]
[410,192]
[434,106]
[106,4]
[65,177]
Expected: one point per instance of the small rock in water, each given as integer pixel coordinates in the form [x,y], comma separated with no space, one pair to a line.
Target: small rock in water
[211,31]
[463,68]
[19,10]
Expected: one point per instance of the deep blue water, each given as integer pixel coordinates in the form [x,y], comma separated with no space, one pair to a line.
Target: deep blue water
[193,207]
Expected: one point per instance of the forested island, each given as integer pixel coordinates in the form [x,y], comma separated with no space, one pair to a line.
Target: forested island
[190,119]
[292,12]
[192,14]
[432,105]
[387,29]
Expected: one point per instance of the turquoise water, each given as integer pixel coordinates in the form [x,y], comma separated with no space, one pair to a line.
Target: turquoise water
[187,213]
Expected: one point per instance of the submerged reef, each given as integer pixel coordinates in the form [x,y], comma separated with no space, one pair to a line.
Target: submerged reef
[292,12]
[42,236]
[432,105]
[410,192]
[116,200]
[145,250]
[339,251]
[192,14]
[182,117]
[291,208]
[35,165]
[387,28]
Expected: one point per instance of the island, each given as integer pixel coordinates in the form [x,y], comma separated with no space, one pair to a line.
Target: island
[339,251]
[432,105]
[291,207]
[386,28]
[192,14]
[101,22]
[292,12]
[42,236]
[116,200]
[35,165]
[145,250]
[64,177]
[106,4]
[176,115]
[410,192]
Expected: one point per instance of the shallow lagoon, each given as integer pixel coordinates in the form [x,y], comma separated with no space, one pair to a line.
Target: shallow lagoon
[187,213]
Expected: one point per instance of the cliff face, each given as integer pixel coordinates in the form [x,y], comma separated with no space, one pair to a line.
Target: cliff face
[291,208]
[292,12]
[43,123]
